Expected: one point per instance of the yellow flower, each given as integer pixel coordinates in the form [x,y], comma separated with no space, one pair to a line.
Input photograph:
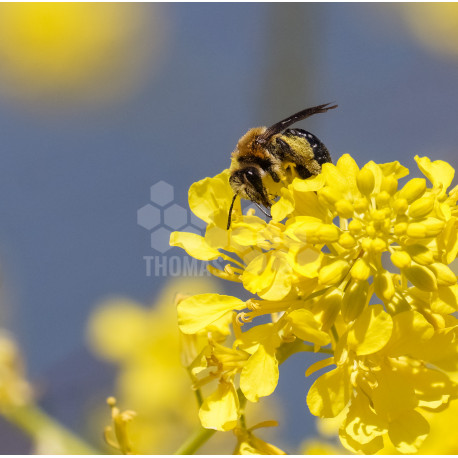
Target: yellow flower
[433,25]
[144,344]
[74,52]
[15,390]
[338,243]
[150,354]
[249,444]
[121,439]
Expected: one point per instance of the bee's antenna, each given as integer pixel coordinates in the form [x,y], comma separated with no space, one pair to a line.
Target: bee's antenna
[229,218]
[260,208]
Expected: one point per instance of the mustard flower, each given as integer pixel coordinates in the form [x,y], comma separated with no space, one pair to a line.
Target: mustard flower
[118,430]
[353,264]
[15,390]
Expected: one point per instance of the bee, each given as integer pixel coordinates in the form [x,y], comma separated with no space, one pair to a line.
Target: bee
[271,151]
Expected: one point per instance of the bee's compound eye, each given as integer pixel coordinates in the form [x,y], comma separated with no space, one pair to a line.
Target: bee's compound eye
[250,172]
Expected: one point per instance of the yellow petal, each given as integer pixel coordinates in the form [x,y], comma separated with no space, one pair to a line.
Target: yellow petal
[248,232]
[307,328]
[349,169]
[395,169]
[362,423]
[199,311]
[439,173]
[259,376]
[220,410]
[410,329]
[210,199]
[268,275]
[446,300]
[316,366]
[330,393]
[305,260]
[369,448]
[327,307]
[393,394]
[313,183]
[408,431]
[195,245]
[263,334]
[448,241]
[334,178]
[371,331]
[284,206]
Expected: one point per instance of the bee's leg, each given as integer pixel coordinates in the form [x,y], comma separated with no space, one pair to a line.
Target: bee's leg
[303,171]
[274,175]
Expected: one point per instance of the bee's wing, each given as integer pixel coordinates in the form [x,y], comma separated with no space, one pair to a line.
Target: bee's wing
[282,125]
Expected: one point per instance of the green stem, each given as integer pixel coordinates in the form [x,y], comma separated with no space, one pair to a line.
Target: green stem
[39,425]
[194,442]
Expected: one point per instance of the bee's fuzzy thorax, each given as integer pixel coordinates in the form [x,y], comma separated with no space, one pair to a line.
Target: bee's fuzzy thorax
[246,144]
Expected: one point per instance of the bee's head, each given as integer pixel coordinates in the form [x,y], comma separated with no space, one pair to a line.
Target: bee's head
[248,183]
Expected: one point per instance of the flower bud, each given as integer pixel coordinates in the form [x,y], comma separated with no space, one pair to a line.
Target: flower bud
[421,207]
[344,208]
[384,286]
[333,273]
[360,270]
[382,198]
[420,254]
[421,277]
[413,189]
[397,304]
[401,259]
[378,215]
[400,228]
[389,184]
[361,205]
[430,227]
[354,300]
[378,245]
[365,180]
[329,196]
[400,205]
[433,226]
[328,307]
[444,275]
[355,226]
[347,240]
[327,233]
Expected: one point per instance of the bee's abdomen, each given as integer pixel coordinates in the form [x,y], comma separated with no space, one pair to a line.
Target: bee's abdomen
[320,152]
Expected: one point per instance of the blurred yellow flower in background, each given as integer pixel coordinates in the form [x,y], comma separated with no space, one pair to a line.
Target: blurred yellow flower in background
[434,25]
[83,53]
[15,391]
[146,345]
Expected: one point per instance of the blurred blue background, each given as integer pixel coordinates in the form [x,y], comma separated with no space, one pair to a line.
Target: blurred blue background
[181,84]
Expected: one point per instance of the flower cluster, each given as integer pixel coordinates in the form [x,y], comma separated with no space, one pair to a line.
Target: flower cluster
[353,264]
[144,345]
